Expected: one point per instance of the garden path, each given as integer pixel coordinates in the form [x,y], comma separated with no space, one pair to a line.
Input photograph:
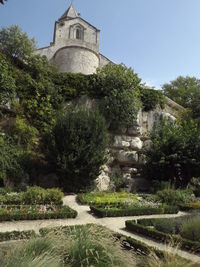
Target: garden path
[116,224]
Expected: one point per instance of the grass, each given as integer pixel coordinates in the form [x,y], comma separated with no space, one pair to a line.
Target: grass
[78,247]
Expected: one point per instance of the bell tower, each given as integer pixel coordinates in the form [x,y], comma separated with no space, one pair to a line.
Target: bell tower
[75,46]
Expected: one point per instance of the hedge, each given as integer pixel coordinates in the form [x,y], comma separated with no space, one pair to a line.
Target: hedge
[17,235]
[163,237]
[33,214]
[132,211]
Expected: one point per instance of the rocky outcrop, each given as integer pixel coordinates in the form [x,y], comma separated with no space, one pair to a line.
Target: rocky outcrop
[125,146]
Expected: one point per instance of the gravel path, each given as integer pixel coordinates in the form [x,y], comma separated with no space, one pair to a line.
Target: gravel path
[84,217]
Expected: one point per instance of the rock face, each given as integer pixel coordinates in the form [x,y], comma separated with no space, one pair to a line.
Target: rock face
[125,146]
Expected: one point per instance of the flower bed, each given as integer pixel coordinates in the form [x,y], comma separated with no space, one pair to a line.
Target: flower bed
[138,228]
[32,196]
[103,198]
[132,211]
[17,213]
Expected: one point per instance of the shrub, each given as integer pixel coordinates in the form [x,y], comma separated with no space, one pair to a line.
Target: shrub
[151,99]
[175,153]
[114,76]
[191,229]
[23,212]
[107,198]
[33,196]
[10,162]
[16,235]
[120,108]
[77,147]
[38,195]
[173,197]
[163,237]
[131,211]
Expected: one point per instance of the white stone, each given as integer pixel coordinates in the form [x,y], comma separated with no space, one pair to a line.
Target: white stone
[103,182]
[129,170]
[129,157]
[136,130]
[136,143]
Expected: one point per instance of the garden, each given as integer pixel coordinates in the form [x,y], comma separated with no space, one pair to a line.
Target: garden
[34,204]
[47,140]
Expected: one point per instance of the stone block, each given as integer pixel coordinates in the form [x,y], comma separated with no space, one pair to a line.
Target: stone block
[129,157]
[136,143]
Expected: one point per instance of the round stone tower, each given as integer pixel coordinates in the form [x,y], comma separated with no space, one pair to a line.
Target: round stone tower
[75,47]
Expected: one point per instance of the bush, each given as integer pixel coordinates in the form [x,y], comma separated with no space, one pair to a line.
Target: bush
[151,99]
[103,198]
[34,196]
[131,211]
[191,229]
[16,235]
[163,237]
[173,197]
[77,147]
[10,162]
[120,108]
[114,76]
[175,153]
[14,213]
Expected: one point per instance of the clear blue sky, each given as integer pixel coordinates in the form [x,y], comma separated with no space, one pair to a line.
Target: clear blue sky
[160,39]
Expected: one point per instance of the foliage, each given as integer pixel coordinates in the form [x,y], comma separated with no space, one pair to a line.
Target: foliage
[7,81]
[17,235]
[24,134]
[33,196]
[151,98]
[186,92]
[194,185]
[106,198]
[120,108]
[114,77]
[24,212]
[191,229]
[80,246]
[186,244]
[10,162]
[77,146]
[173,197]
[38,195]
[15,43]
[132,211]
[175,152]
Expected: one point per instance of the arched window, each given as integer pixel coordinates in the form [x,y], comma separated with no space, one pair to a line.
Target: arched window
[78,34]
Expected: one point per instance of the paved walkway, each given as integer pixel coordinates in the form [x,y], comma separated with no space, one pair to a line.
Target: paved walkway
[84,217]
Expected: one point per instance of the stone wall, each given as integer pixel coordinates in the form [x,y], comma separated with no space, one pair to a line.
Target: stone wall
[125,158]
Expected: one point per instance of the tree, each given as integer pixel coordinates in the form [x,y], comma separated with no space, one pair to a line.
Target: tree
[186,92]
[2,1]
[175,152]
[77,147]
[15,43]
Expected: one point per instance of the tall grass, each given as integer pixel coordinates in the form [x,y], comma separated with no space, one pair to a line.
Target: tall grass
[80,247]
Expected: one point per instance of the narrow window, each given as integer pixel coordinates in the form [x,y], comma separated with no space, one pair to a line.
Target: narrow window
[78,34]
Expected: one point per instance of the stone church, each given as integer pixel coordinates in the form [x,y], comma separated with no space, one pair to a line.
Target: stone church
[75,46]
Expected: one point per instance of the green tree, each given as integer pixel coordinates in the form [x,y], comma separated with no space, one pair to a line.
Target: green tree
[7,81]
[77,147]
[175,153]
[114,77]
[15,43]
[120,108]
[186,92]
